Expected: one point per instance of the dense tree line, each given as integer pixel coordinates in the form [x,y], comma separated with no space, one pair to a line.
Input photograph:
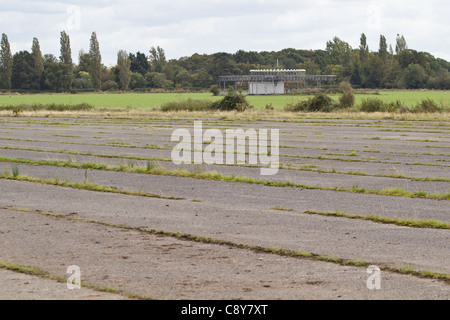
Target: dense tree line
[384,68]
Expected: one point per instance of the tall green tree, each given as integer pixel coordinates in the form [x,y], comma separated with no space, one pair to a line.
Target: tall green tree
[6,63]
[363,49]
[137,81]
[157,59]
[23,71]
[222,64]
[139,63]
[394,75]
[383,49]
[202,79]
[38,61]
[339,52]
[53,73]
[374,72]
[84,61]
[340,55]
[311,67]
[400,44]
[95,69]
[415,76]
[355,77]
[66,61]
[123,64]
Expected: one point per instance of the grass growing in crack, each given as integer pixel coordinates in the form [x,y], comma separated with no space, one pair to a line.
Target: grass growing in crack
[33,271]
[258,249]
[15,170]
[27,270]
[306,167]
[213,175]
[413,223]
[87,186]
[282,209]
[131,163]
[151,165]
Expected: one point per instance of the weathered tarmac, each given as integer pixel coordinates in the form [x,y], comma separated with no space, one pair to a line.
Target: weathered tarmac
[51,227]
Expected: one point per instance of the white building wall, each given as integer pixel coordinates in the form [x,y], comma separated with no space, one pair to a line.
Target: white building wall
[265,88]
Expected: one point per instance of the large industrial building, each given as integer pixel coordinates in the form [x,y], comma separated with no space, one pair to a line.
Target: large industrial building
[276,81]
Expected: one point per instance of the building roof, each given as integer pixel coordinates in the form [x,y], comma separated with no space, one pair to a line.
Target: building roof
[277,70]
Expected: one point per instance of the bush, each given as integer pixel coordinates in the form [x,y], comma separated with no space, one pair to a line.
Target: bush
[300,106]
[188,105]
[427,106]
[319,103]
[137,80]
[377,105]
[231,101]
[110,85]
[81,83]
[214,89]
[397,106]
[373,105]
[49,107]
[347,100]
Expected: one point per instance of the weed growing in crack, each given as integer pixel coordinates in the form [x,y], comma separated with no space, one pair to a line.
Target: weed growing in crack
[151,165]
[15,171]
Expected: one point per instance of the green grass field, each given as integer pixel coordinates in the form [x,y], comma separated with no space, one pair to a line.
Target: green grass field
[155,100]
[105,100]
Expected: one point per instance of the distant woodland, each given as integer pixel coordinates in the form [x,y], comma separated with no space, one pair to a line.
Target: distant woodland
[386,67]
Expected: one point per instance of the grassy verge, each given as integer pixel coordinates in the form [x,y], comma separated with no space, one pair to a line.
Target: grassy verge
[248,115]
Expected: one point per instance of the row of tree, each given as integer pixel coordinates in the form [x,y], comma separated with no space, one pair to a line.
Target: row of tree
[385,68]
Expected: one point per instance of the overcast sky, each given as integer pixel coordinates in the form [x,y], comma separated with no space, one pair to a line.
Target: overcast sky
[185,27]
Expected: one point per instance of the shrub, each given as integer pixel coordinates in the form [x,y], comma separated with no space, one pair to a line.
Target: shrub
[232,101]
[137,81]
[427,106]
[80,83]
[298,107]
[15,171]
[151,165]
[397,106]
[63,107]
[48,107]
[214,89]
[188,105]
[347,100]
[373,105]
[110,85]
[319,103]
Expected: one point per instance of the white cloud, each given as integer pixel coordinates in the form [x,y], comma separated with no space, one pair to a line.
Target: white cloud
[183,27]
